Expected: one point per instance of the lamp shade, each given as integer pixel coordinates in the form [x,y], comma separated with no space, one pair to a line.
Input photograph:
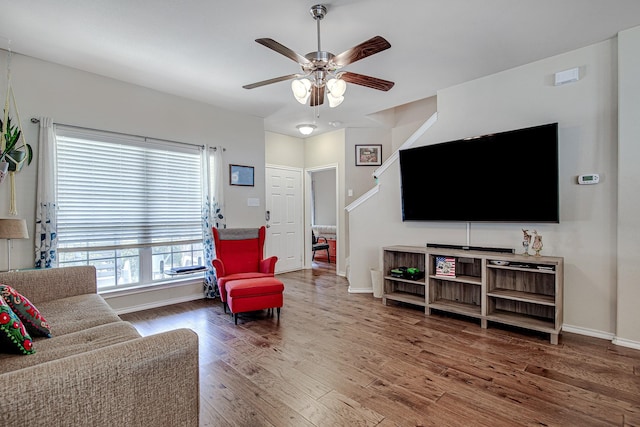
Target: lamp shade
[13,228]
[337,87]
[334,101]
[301,90]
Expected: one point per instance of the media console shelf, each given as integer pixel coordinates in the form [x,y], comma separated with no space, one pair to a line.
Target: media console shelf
[401,289]
[511,289]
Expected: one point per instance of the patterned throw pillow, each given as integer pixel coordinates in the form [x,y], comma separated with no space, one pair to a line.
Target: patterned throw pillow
[27,312]
[13,335]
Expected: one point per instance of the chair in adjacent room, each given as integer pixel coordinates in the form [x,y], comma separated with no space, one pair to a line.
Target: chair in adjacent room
[319,244]
[245,278]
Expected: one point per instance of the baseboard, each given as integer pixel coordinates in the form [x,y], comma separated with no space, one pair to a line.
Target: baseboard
[161,303]
[604,335]
[588,332]
[626,343]
[360,291]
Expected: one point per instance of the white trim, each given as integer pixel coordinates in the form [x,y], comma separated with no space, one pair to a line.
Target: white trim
[408,143]
[283,167]
[360,291]
[626,343]
[392,158]
[160,303]
[141,289]
[321,168]
[588,332]
[360,200]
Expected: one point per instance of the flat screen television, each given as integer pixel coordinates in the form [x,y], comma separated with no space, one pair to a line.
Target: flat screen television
[502,177]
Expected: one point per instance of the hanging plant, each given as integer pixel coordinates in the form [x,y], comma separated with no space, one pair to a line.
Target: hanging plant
[13,148]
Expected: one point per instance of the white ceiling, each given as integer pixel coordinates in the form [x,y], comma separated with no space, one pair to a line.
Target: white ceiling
[205,50]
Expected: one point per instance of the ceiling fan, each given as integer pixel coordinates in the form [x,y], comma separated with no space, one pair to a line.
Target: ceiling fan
[320,69]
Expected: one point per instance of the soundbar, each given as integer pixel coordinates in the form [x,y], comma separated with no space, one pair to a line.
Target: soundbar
[470,248]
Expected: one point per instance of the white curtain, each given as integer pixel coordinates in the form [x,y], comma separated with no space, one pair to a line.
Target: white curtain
[46,239]
[212,213]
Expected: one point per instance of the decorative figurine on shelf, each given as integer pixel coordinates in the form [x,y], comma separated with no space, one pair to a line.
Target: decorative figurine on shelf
[526,241]
[537,242]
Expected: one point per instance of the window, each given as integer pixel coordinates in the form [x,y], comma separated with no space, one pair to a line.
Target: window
[129,205]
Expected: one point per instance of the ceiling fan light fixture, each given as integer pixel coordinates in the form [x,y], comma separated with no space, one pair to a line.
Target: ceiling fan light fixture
[320,73]
[306,129]
[337,87]
[334,101]
[301,90]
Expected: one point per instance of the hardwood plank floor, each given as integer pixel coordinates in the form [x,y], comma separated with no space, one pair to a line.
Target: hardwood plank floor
[340,359]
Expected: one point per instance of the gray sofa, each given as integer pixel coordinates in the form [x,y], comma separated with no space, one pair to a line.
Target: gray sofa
[96,370]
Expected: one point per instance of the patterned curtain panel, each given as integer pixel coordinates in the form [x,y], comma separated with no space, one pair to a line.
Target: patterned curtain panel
[212,215]
[46,240]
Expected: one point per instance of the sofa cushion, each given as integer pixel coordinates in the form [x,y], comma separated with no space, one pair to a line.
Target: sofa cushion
[13,335]
[73,314]
[26,311]
[71,344]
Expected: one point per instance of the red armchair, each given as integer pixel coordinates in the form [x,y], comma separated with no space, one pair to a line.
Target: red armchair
[240,255]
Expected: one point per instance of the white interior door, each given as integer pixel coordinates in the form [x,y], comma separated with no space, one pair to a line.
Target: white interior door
[284,206]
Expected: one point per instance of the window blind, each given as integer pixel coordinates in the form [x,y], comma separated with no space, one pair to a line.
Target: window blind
[121,190]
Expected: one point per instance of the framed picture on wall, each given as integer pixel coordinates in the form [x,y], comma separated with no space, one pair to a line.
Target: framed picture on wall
[369,155]
[241,175]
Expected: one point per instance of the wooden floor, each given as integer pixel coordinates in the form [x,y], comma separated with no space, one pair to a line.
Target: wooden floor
[340,359]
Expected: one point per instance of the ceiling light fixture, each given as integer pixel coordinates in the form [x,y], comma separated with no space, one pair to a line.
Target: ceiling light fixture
[321,73]
[306,129]
[335,89]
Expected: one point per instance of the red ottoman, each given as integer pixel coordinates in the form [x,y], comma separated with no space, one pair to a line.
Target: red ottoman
[254,294]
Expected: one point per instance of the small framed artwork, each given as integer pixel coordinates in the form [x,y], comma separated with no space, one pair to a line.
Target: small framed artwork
[241,175]
[368,155]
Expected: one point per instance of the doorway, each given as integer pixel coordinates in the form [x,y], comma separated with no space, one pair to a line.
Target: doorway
[322,216]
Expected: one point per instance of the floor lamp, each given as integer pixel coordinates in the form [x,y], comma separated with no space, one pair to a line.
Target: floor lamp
[12,229]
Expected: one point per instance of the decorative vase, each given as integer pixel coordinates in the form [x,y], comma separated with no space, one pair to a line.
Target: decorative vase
[18,158]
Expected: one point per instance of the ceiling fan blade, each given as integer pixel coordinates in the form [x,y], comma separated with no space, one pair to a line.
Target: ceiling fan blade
[274,80]
[364,49]
[368,81]
[283,50]
[317,96]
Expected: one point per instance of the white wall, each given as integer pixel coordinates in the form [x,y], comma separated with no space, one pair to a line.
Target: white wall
[324,197]
[628,317]
[83,99]
[284,150]
[409,118]
[521,97]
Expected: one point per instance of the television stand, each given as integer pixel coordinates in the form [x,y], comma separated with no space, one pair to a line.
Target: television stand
[496,288]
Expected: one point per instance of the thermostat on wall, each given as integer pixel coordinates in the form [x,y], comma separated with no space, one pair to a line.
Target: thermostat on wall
[590,178]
